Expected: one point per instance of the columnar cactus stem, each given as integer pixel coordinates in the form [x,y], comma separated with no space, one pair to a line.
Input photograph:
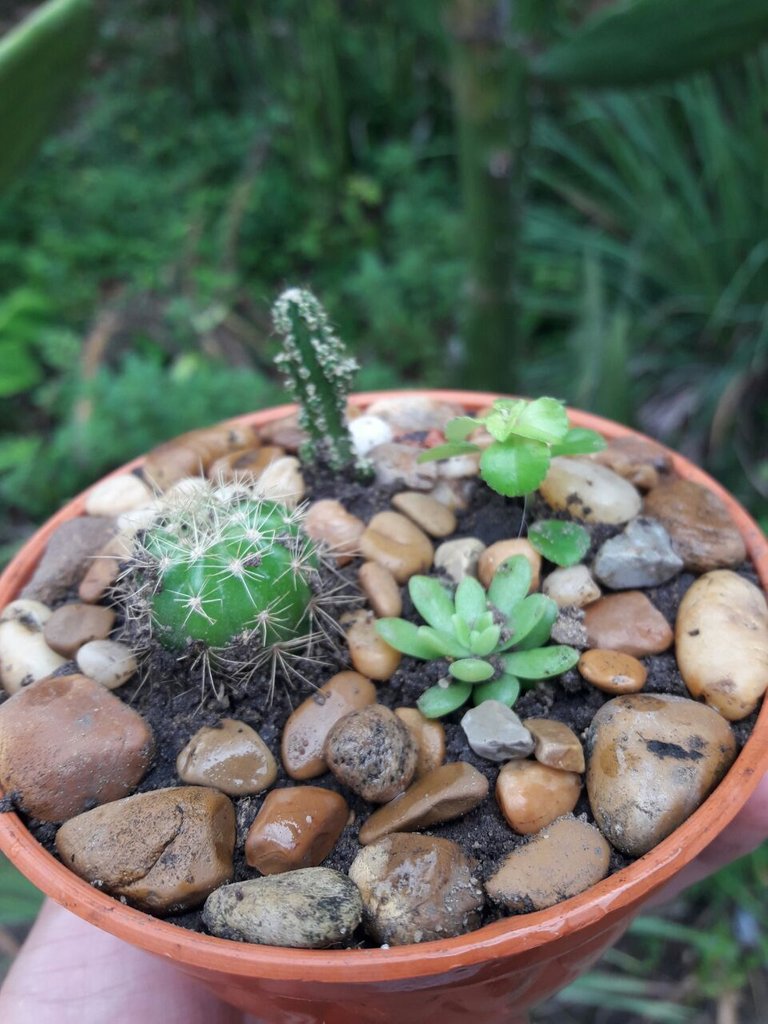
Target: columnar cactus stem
[318,371]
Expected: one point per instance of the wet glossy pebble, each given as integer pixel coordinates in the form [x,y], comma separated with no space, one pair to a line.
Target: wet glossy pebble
[613,671]
[381,588]
[73,625]
[531,795]
[398,544]
[493,556]
[230,756]
[431,515]
[295,828]
[557,745]
[627,622]
[330,524]
[370,654]
[589,492]
[107,661]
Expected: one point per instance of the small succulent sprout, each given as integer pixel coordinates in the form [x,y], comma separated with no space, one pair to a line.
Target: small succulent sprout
[493,640]
[526,435]
[318,373]
[559,540]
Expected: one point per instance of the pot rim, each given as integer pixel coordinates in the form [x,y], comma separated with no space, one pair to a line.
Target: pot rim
[628,887]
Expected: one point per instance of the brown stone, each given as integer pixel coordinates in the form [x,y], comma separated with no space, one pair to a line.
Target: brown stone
[493,556]
[284,432]
[699,525]
[295,828]
[308,726]
[370,654]
[73,625]
[67,557]
[163,851]
[330,524]
[372,753]
[230,757]
[192,453]
[104,568]
[432,516]
[563,860]
[429,737]
[244,466]
[66,744]
[398,544]
[639,460]
[532,795]
[627,622]
[557,745]
[613,671]
[448,792]
[380,587]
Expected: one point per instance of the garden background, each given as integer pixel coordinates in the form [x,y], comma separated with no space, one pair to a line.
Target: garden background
[213,152]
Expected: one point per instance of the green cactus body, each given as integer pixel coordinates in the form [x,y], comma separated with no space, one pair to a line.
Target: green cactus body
[318,373]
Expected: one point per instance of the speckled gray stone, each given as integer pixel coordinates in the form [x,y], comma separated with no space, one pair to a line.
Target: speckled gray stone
[641,556]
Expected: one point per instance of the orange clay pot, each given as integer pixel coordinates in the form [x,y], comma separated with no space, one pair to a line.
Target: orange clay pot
[493,975]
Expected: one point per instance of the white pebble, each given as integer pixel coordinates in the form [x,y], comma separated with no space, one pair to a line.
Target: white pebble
[572,587]
[117,494]
[106,662]
[367,432]
[24,655]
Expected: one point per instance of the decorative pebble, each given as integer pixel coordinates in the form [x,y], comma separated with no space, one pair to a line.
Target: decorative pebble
[429,737]
[381,589]
[653,759]
[24,654]
[372,753]
[192,453]
[367,432]
[416,889]
[700,526]
[230,757]
[104,568]
[330,524]
[495,732]
[613,671]
[117,494]
[433,517]
[568,628]
[398,544]
[459,467]
[245,466]
[589,492]
[627,622]
[563,860]
[72,625]
[493,556]
[282,481]
[396,463]
[66,744]
[370,654]
[107,662]
[721,639]
[454,494]
[66,558]
[295,828]
[163,851]
[641,556]
[284,432]
[448,792]
[638,459]
[571,587]
[414,413]
[532,795]
[311,908]
[557,745]
[459,558]
[308,725]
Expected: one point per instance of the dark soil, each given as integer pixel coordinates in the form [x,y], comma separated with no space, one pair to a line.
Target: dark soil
[176,707]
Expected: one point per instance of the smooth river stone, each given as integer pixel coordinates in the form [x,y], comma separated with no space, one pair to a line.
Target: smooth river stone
[557,745]
[104,568]
[72,625]
[397,543]
[117,494]
[370,653]
[493,556]
[67,556]
[372,752]
[108,662]
[295,828]
[380,587]
[67,744]
[396,463]
[230,757]
[330,524]
[24,654]
[637,459]
[641,556]
[532,795]
[494,731]
[412,413]
[652,760]
[310,908]
[448,792]
[190,454]
[563,860]
[458,558]
[613,671]
[429,514]
[282,481]
[721,638]
[308,726]
[367,432]
[416,889]
[571,587]
[164,851]
[627,622]
[429,736]
[700,526]
[589,492]
[244,466]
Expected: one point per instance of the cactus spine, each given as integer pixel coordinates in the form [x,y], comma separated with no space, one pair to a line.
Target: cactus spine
[318,373]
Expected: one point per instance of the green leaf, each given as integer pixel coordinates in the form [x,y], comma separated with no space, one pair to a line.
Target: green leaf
[510,583]
[544,419]
[471,670]
[514,467]
[432,601]
[561,541]
[462,631]
[539,635]
[447,451]
[483,642]
[442,700]
[527,616]
[445,645]
[459,428]
[579,441]
[653,40]
[500,421]
[542,663]
[506,690]
[470,600]
[405,637]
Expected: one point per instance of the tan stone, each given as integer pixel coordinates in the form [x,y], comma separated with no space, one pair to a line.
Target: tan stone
[308,726]
[163,851]
[557,745]
[398,544]
[66,558]
[429,736]
[284,432]
[295,828]
[282,481]
[589,492]
[24,654]
[721,639]
[192,453]
[66,743]
[493,556]
[107,662]
[431,515]
[73,625]
[230,757]
[571,587]
[330,524]
[381,589]
[370,654]
[104,568]
[639,460]
[244,466]
[459,558]
[613,671]
[627,622]
[372,752]
[653,759]
[448,792]
[563,860]
[532,795]
[117,494]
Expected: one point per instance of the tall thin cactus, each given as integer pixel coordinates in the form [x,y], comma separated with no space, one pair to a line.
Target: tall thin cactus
[318,373]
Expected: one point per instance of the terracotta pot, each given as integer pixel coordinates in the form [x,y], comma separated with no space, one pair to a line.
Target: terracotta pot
[495,974]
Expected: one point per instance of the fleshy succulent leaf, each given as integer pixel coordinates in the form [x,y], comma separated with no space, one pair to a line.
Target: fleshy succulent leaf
[526,617]
[470,600]
[510,583]
[561,541]
[447,451]
[515,467]
[542,663]
[405,637]
[446,645]
[471,670]
[539,635]
[462,631]
[460,427]
[442,700]
[579,441]
[484,642]
[506,690]
[432,601]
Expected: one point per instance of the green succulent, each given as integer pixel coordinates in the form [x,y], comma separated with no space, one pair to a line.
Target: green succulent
[494,640]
